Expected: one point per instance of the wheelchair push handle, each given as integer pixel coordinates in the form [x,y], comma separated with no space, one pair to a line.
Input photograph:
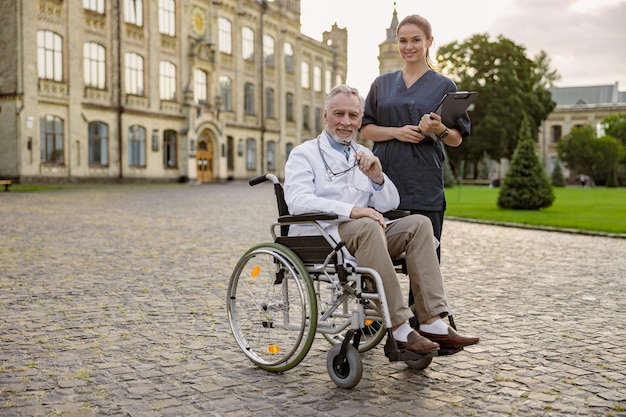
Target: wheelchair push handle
[262,178]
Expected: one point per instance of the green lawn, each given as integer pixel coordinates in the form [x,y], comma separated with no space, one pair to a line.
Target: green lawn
[593,209]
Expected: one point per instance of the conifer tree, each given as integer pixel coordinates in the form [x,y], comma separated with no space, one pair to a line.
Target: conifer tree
[526,186]
[558,180]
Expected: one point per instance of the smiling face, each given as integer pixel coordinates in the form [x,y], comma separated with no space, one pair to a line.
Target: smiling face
[343,117]
[413,43]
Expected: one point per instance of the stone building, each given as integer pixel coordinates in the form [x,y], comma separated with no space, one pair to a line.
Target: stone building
[159,90]
[576,106]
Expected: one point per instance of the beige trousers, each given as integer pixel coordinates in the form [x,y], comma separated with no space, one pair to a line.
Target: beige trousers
[375,247]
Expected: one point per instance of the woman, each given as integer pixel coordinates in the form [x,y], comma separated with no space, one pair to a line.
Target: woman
[399,118]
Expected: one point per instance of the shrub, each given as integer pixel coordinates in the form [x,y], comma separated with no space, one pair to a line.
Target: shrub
[526,186]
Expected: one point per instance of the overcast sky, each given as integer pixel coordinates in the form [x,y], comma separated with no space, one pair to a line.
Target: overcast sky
[585,39]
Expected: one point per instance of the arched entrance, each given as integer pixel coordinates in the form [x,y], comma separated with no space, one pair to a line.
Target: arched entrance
[204,159]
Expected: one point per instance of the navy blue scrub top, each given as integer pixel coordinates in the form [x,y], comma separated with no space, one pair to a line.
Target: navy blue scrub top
[415,169]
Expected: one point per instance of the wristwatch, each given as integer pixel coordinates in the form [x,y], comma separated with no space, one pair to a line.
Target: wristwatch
[443,134]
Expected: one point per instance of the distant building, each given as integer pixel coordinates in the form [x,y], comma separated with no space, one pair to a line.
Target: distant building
[159,89]
[576,106]
[389,58]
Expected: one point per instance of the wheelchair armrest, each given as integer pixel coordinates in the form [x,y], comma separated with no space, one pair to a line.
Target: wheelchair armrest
[396,214]
[308,217]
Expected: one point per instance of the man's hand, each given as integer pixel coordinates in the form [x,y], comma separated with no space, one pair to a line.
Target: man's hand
[358,212]
[371,166]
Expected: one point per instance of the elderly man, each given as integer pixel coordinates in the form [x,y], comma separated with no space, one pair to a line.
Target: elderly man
[333,173]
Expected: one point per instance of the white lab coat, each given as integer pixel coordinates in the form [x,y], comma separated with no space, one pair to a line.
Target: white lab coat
[308,189]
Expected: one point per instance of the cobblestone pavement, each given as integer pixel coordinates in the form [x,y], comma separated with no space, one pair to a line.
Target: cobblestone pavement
[112,303]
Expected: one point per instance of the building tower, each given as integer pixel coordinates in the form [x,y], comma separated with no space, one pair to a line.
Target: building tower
[388,56]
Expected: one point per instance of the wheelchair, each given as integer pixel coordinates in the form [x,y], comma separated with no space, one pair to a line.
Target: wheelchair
[282,293]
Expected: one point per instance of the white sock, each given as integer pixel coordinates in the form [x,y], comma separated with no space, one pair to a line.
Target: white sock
[401,334]
[438,327]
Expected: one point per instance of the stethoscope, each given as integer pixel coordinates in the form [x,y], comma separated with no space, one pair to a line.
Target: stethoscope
[330,174]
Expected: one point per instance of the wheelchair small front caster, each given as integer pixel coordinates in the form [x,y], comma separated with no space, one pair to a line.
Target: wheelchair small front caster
[419,364]
[346,371]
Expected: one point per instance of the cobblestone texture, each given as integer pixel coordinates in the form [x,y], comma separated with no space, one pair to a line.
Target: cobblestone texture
[112,303]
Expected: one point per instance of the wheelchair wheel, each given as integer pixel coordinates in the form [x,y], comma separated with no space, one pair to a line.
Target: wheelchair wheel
[344,373]
[420,364]
[372,332]
[271,306]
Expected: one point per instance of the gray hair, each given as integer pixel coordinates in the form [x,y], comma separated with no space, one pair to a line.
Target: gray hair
[347,90]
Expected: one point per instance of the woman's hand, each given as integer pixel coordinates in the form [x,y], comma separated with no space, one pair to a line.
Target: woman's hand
[431,123]
[410,134]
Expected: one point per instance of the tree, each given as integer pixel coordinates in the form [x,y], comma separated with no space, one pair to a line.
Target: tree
[526,186]
[615,125]
[557,175]
[583,152]
[510,84]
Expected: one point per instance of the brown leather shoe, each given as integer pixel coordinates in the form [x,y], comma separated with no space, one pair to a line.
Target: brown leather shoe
[418,344]
[452,339]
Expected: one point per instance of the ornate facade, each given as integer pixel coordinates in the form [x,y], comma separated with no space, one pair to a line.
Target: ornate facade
[206,90]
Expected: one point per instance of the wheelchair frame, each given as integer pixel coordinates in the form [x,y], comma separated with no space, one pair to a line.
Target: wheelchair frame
[281,293]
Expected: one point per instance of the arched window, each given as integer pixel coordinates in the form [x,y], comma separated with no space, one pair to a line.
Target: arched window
[288,52]
[133,73]
[271,155]
[51,135]
[94,64]
[98,144]
[250,154]
[167,17]
[200,86]
[167,80]
[137,146]
[225,36]
[226,90]
[49,55]
[169,149]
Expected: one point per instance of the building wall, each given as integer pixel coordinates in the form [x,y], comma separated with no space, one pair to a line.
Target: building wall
[561,121]
[25,98]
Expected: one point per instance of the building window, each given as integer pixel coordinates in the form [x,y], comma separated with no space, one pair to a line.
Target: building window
[137,146]
[268,50]
[94,65]
[133,73]
[167,17]
[247,43]
[226,91]
[250,154]
[288,51]
[94,5]
[225,36]
[230,153]
[305,117]
[318,119]
[317,79]
[288,148]
[304,73]
[167,80]
[327,82]
[200,86]
[555,133]
[271,155]
[169,149]
[249,98]
[289,106]
[51,131]
[98,144]
[133,12]
[269,103]
[49,55]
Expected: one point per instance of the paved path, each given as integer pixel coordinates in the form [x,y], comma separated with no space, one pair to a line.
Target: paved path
[112,303]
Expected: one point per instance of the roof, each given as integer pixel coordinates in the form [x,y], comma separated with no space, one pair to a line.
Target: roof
[590,95]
